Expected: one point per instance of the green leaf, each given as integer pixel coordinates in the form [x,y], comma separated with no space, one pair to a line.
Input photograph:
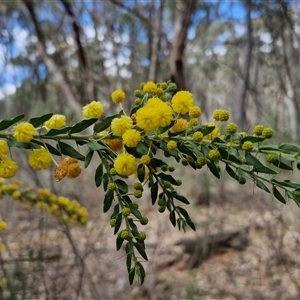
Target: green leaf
[82,125]
[174,153]
[180,198]
[157,163]
[282,165]
[253,161]
[205,130]
[172,218]
[118,223]
[88,158]
[278,196]
[187,218]
[133,227]
[154,192]
[136,212]
[133,152]
[289,148]
[141,175]
[182,148]
[108,199]
[50,148]
[140,271]
[105,181]
[31,145]
[122,186]
[55,132]
[6,123]
[141,148]
[104,124]
[131,272]
[262,186]
[119,242]
[230,154]
[217,140]
[128,256]
[253,139]
[99,175]
[269,148]
[213,169]
[70,151]
[231,173]
[116,211]
[140,247]
[38,121]
[167,177]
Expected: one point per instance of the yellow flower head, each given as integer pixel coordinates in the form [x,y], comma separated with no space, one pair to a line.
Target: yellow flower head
[93,110]
[131,137]
[195,112]
[182,101]
[115,144]
[221,115]
[24,132]
[8,168]
[68,167]
[74,170]
[146,118]
[180,125]
[149,87]
[125,164]
[39,159]
[3,147]
[118,96]
[216,132]
[56,122]
[120,125]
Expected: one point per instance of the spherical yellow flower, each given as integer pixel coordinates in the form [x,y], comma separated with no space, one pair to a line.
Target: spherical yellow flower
[93,110]
[115,144]
[125,164]
[149,87]
[146,118]
[120,125]
[172,145]
[8,168]
[182,101]
[39,159]
[131,138]
[55,122]
[118,96]
[224,115]
[24,132]
[145,159]
[195,112]
[164,114]
[180,125]
[216,114]
[3,147]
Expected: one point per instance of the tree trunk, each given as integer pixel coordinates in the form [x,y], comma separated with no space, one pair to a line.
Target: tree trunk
[182,22]
[244,84]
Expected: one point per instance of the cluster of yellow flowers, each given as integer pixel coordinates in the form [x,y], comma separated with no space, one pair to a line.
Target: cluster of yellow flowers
[61,207]
[2,227]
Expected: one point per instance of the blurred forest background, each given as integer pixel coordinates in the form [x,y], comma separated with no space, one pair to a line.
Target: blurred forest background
[237,55]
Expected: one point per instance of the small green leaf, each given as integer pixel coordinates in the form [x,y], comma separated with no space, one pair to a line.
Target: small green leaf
[122,186]
[231,173]
[140,247]
[108,199]
[289,148]
[119,242]
[136,212]
[262,186]
[269,148]
[278,196]
[104,124]
[99,175]
[167,177]
[172,218]
[213,169]
[36,122]
[134,229]
[154,192]
[82,125]
[118,223]
[88,158]
[50,148]
[282,165]
[105,180]
[142,149]
[141,174]
[131,272]
[116,211]
[6,123]
[31,145]
[253,161]
[55,132]
[253,139]
[70,151]
[180,198]
[140,272]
